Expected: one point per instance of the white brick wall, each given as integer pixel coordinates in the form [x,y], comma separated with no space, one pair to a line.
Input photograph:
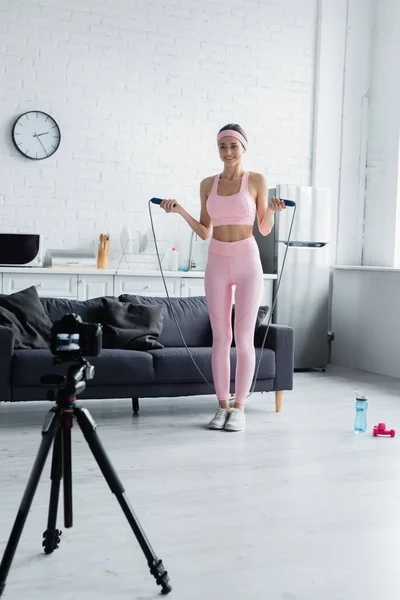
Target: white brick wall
[139,90]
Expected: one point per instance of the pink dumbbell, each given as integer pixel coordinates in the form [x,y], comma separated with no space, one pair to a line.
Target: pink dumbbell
[381,430]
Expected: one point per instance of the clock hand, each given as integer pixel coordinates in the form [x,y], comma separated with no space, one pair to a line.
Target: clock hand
[45,133]
[36,135]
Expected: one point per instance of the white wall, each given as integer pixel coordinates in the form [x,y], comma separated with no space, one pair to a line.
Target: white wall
[354,132]
[366,320]
[382,196]
[329,87]
[139,90]
[369,165]
[365,302]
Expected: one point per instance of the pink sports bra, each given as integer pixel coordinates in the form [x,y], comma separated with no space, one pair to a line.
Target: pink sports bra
[237,209]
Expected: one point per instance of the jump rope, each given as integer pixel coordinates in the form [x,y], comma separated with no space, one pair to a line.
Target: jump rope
[289,203]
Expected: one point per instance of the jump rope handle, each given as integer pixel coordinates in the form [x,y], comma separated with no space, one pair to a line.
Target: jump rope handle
[287,202]
[157,201]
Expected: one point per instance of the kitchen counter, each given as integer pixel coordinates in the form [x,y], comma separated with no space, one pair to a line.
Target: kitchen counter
[95,271]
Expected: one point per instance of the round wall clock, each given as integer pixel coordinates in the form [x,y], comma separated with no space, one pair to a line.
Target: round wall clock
[36,135]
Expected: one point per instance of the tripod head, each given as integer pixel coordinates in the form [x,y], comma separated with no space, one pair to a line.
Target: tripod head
[65,388]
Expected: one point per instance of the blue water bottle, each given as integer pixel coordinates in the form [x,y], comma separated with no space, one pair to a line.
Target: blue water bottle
[360,422]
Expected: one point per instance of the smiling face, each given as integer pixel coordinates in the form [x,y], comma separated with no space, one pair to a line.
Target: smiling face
[230,150]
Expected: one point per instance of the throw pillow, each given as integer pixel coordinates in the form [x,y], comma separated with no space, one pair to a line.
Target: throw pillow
[130,326]
[191,314]
[261,315]
[23,313]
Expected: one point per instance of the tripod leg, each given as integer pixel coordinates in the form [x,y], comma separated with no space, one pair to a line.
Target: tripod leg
[67,467]
[88,427]
[49,430]
[52,535]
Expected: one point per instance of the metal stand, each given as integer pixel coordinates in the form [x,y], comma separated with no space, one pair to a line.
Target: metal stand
[124,256]
[57,428]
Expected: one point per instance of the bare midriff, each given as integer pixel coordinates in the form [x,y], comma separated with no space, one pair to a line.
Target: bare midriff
[232,233]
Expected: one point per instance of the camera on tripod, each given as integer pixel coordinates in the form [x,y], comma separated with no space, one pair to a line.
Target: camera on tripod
[71,338]
[71,341]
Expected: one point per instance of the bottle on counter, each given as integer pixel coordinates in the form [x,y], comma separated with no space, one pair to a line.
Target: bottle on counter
[173,259]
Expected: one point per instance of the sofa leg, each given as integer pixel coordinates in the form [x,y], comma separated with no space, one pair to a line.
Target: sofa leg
[278,400]
[135,405]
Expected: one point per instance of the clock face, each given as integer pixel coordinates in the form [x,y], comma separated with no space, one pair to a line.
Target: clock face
[36,135]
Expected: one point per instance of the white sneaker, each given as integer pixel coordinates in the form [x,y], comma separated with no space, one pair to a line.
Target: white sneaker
[220,418]
[236,420]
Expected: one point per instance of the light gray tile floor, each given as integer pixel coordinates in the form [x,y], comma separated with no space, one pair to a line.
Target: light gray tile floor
[297,507]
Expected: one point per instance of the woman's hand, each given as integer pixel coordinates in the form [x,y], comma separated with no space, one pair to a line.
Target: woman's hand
[276,204]
[171,206]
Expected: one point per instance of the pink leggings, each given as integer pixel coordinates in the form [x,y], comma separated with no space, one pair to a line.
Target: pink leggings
[233,263]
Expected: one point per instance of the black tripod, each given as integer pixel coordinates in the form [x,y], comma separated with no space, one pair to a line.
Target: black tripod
[57,427]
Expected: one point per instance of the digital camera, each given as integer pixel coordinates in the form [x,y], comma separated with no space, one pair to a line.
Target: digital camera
[72,338]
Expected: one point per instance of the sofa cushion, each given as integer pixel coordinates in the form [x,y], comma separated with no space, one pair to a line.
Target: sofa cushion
[175,365]
[91,311]
[191,314]
[112,367]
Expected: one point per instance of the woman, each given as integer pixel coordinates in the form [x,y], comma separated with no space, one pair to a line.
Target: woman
[230,202]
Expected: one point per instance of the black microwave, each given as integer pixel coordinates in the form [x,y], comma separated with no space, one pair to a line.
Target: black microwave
[21,250]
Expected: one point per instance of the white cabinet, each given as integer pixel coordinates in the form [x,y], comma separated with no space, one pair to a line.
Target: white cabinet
[146,286]
[48,285]
[83,286]
[192,287]
[95,286]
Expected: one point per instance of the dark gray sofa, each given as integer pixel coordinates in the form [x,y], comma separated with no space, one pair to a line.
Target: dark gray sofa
[155,373]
